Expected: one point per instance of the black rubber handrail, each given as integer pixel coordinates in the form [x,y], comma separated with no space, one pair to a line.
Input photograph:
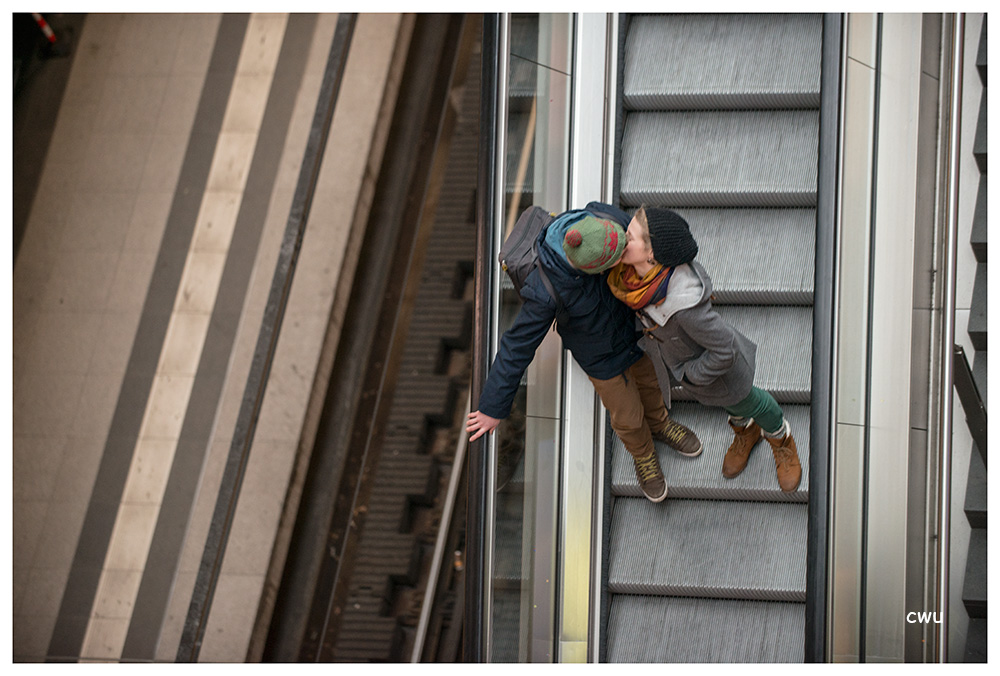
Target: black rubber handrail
[473,649]
[822,342]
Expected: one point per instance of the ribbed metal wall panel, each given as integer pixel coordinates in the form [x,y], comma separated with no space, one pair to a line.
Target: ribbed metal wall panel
[702,61]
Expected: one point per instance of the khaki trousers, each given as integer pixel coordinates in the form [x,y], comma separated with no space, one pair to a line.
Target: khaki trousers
[635,403]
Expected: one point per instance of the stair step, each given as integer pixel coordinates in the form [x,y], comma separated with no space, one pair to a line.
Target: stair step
[708,548]
[977,313]
[975,492]
[506,614]
[979,373]
[510,525]
[720,159]
[979,222]
[979,144]
[517,132]
[746,253]
[649,629]
[783,335]
[981,54]
[688,61]
[701,477]
[974,586]
[976,642]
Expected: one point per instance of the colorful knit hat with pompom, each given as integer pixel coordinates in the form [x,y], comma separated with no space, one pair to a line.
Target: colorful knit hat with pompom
[594,244]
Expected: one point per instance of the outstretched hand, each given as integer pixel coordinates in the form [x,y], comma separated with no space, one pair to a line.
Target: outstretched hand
[479,424]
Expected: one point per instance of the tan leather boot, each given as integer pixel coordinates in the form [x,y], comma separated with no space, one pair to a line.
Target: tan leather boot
[786,462]
[739,451]
[651,481]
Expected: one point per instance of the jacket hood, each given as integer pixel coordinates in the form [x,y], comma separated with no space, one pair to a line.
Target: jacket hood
[554,260]
[689,286]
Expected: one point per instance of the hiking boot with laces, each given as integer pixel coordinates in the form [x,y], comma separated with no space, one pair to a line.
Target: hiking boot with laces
[739,451]
[786,462]
[679,438]
[651,481]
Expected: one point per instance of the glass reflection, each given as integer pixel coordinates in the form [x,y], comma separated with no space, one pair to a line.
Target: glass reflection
[535,166]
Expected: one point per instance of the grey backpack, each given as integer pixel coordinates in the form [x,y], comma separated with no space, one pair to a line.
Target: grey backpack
[519,253]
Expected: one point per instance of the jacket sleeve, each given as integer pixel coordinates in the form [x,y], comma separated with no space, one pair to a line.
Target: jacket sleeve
[517,349]
[707,328]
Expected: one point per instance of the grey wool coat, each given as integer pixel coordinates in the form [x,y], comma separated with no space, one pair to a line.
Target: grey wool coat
[693,346]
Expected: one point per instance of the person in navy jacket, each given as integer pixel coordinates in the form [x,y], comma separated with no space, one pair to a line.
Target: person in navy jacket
[575,249]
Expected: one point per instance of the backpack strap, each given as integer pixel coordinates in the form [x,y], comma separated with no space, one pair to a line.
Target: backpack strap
[561,316]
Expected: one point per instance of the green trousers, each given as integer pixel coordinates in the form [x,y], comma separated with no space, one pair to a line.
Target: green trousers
[760,406]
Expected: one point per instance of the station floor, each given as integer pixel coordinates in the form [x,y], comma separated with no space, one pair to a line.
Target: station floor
[139,285]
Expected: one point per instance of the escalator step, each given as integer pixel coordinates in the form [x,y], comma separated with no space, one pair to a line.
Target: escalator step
[974,587]
[978,324]
[648,629]
[980,232]
[975,492]
[679,62]
[720,159]
[783,335]
[709,548]
[509,536]
[519,132]
[747,253]
[701,477]
[976,642]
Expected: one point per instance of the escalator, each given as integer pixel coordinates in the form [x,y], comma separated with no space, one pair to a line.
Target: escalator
[719,120]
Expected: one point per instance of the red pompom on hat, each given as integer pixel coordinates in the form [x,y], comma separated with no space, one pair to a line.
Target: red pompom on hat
[574,238]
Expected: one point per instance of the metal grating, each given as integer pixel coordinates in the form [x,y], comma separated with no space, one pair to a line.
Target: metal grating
[701,477]
[721,124]
[657,629]
[721,158]
[709,549]
[749,253]
[723,61]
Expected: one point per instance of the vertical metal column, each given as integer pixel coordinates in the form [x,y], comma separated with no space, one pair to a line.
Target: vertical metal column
[948,318]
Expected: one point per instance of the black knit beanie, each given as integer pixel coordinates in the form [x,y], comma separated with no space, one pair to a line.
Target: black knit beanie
[670,237]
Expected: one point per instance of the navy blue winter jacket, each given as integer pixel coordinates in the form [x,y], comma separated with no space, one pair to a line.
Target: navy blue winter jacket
[600,331]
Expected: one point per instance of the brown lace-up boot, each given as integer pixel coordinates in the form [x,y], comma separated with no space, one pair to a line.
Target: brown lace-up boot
[786,461]
[679,438]
[739,451]
[647,469]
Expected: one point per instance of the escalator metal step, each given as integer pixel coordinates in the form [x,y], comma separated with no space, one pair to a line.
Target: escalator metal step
[656,629]
[688,61]
[720,159]
[509,536]
[749,253]
[784,347]
[709,548]
[783,335]
[701,477]
[520,140]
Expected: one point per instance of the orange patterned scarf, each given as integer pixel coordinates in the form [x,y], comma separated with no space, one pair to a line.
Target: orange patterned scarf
[638,292]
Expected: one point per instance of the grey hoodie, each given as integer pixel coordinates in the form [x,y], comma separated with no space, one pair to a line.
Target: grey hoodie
[693,346]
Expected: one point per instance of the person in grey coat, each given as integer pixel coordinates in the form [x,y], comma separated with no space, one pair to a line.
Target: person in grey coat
[691,344]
